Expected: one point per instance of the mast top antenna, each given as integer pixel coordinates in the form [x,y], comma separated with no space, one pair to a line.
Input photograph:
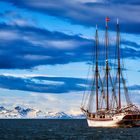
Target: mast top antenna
[96,26]
[117,21]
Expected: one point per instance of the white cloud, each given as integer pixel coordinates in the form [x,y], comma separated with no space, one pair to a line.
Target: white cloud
[23,75]
[63,44]
[19,22]
[36,57]
[47,82]
[8,35]
[69,103]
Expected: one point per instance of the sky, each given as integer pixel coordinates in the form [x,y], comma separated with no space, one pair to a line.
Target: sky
[46,47]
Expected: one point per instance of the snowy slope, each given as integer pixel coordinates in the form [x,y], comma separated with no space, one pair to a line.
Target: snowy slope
[17,112]
[57,115]
[20,112]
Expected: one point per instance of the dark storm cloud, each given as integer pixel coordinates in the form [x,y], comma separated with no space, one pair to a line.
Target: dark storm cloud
[37,84]
[26,47]
[130,53]
[130,43]
[134,87]
[43,84]
[125,1]
[130,48]
[23,47]
[89,13]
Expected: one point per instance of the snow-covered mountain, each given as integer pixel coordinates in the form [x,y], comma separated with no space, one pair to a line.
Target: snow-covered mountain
[20,112]
[17,112]
[57,115]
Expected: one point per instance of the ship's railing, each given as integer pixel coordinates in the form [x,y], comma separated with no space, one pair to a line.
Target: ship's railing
[104,114]
[130,109]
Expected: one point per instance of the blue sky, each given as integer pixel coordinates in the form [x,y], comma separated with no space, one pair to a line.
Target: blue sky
[46,46]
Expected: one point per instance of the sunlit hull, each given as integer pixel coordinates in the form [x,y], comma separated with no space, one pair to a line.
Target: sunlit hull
[100,123]
[115,121]
[111,123]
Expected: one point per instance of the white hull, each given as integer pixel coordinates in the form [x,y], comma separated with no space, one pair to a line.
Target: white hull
[116,120]
[110,123]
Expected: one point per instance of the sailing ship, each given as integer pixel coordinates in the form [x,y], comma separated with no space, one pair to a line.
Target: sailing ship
[107,103]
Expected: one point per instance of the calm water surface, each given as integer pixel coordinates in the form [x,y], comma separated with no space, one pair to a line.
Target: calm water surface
[37,129]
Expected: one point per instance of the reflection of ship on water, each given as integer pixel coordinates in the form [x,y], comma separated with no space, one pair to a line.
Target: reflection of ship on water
[102,105]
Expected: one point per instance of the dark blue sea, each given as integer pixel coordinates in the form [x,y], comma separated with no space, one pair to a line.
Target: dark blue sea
[69,129]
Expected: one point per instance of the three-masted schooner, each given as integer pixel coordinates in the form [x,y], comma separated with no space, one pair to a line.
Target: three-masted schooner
[103,105]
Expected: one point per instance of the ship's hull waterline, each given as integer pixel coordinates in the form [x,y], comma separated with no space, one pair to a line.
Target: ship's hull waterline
[114,122]
[111,123]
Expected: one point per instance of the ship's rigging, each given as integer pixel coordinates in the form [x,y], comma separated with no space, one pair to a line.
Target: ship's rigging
[108,86]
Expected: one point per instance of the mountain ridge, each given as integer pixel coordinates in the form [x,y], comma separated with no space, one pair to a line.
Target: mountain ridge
[23,113]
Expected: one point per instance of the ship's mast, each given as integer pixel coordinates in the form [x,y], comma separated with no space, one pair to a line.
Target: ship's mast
[96,46]
[107,67]
[119,68]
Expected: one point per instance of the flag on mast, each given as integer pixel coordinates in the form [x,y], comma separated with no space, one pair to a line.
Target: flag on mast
[107,20]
